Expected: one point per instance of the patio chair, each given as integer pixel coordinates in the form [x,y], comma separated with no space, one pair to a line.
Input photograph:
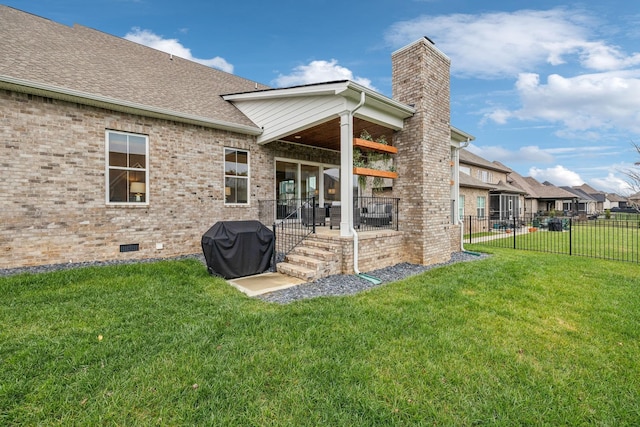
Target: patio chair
[307,216]
[335,215]
[377,214]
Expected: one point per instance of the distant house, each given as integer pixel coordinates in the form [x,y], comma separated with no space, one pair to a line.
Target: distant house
[584,204]
[115,151]
[600,197]
[615,201]
[541,198]
[485,189]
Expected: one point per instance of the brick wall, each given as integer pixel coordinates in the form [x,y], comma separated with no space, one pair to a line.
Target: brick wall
[52,190]
[376,250]
[421,78]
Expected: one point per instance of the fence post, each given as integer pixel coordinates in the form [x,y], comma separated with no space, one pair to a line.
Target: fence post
[313,213]
[397,212]
[514,232]
[275,248]
[570,237]
[469,229]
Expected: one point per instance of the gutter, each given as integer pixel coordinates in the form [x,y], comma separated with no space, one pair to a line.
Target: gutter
[114,104]
[371,279]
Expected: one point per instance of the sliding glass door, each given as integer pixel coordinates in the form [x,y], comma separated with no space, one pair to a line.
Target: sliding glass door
[302,180]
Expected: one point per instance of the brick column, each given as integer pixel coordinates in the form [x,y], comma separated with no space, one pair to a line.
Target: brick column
[421,78]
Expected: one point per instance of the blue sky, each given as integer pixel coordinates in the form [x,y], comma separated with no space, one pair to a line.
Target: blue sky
[552,90]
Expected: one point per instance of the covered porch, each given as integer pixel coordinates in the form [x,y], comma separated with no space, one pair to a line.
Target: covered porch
[329,117]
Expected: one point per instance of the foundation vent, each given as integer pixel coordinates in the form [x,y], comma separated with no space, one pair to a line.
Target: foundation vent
[130,248]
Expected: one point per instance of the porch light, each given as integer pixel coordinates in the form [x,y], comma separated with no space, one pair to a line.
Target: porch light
[138,188]
[331,191]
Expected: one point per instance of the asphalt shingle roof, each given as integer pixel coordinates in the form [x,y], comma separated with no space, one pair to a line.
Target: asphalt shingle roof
[473,159]
[82,59]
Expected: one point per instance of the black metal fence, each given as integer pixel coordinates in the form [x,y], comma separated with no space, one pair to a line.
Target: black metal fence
[599,237]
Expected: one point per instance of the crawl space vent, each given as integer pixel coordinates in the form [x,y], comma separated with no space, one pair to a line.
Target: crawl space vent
[130,248]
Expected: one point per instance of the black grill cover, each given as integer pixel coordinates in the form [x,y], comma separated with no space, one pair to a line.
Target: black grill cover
[238,248]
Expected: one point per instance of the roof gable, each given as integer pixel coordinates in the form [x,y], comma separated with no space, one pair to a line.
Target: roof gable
[281,112]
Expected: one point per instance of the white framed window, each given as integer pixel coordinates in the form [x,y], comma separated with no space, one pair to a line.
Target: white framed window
[481,206]
[461,207]
[236,176]
[465,169]
[127,172]
[484,176]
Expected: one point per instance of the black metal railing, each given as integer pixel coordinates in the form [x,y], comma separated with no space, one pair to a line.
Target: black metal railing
[599,237]
[376,213]
[292,221]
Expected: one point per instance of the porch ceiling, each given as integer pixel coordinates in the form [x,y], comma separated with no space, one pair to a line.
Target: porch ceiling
[327,135]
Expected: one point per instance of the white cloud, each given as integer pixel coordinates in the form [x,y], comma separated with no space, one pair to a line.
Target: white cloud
[557,175]
[611,184]
[173,46]
[582,103]
[530,153]
[318,72]
[504,44]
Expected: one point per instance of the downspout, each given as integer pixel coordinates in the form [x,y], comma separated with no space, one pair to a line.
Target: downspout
[464,144]
[353,231]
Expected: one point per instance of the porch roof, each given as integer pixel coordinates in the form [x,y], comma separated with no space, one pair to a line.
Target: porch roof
[310,114]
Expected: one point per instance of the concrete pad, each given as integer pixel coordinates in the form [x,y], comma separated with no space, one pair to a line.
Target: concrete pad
[264,283]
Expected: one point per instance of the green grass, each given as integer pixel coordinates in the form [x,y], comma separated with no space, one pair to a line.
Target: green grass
[520,338]
[598,239]
[478,235]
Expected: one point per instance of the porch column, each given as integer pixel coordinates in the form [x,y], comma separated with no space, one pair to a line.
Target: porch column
[346,173]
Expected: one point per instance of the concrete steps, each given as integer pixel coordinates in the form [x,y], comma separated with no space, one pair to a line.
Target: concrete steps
[311,260]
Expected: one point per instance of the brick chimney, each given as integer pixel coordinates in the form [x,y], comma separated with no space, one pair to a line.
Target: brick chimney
[421,78]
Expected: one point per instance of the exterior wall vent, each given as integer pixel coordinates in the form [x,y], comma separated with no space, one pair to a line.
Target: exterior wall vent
[130,248]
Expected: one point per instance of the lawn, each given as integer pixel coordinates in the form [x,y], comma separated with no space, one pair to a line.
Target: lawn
[615,240]
[520,338]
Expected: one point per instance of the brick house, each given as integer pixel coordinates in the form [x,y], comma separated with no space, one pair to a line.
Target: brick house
[542,198]
[486,190]
[116,151]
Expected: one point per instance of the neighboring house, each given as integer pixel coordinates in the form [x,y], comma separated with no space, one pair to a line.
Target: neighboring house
[615,201]
[485,190]
[633,201]
[542,199]
[599,197]
[584,204]
[116,151]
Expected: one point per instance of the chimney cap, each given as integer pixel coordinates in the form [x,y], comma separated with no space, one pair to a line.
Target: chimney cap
[430,41]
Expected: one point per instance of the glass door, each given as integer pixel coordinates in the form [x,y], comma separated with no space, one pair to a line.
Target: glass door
[286,182]
[310,182]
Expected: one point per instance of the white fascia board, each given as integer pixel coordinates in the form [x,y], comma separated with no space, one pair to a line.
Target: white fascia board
[346,89]
[70,95]
[377,116]
[378,101]
[310,90]
[458,135]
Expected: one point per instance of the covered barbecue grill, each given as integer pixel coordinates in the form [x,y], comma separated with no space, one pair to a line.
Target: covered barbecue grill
[238,248]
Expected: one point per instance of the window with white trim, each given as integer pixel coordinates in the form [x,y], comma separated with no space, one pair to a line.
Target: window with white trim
[127,168]
[461,207]
[484,176]
[236,176]
[481,206]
